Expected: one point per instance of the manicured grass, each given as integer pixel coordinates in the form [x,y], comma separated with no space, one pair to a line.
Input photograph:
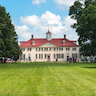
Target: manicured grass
[48,79]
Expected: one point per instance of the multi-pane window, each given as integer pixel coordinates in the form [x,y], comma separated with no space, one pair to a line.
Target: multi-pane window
[28,49]
[67,49]
[39,49]
[36,49]
[60,56]
[45,56]
[42,49]
[45,49]
[40,56]
[74,49]
[55,49]
[54,55]
[67,54]
[74,55]
[63,42]
[23,49]
[49,49]
[60,49]
[23,57]
[36,55]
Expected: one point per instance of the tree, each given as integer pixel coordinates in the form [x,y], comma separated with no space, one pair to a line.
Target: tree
[8,37]
[85,15]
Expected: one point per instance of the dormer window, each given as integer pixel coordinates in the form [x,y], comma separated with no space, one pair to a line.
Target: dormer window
[33,42]
[63,42]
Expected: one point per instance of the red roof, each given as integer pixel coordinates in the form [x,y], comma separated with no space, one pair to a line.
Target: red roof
[57,42]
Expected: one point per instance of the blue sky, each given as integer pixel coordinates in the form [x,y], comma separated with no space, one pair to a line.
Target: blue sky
[33,16]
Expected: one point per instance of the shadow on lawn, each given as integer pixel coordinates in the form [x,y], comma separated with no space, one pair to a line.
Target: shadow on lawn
[90,67]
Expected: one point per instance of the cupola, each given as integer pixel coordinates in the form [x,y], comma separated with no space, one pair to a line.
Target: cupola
[48,35]
[63,42]
[33,42]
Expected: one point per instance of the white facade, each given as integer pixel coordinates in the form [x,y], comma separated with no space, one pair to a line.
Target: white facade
[49,49]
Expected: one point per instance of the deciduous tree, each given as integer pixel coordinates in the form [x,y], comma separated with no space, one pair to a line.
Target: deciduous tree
[8,37]
[85,14]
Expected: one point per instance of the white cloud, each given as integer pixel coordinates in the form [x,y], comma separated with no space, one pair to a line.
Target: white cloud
[65,2]
[68,21]
[38,1]
[33,20]
[38,26]
[41,22]
[23,31]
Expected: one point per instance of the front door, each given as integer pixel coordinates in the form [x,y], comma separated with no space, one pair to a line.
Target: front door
[48,57]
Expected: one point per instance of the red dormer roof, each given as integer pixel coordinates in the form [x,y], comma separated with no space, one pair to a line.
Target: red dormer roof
[57,42]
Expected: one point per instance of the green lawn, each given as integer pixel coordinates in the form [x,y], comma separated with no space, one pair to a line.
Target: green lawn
[48,79]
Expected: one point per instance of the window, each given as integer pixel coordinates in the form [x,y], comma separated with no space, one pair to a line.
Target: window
[74,55]
[36,55]
[39,56]
[54,55]
[45,56]
[67,54]
[29,57]
[63,42]
[28,49]
[36,49]
[67,49]
[48,44]
[74,49]
[33,42]
[55,49]
[23,57]
[49,49]
[39,49]
[57,55]
[42,49]
[60,56]
[60,49]
[45,49]
[23,49]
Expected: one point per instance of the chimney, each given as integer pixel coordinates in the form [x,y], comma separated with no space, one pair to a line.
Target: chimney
[32,37]
[64,36]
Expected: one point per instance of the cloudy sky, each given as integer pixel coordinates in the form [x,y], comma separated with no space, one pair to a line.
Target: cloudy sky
[33,16]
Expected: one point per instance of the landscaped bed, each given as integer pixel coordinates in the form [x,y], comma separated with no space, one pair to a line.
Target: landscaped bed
[48,79]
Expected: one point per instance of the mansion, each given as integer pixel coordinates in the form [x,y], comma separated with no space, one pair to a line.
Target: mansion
[48,49]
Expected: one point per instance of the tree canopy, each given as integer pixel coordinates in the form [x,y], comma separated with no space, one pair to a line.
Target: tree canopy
[84,12]
[8,37]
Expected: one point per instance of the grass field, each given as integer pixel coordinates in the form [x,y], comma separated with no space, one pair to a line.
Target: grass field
[48,79]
